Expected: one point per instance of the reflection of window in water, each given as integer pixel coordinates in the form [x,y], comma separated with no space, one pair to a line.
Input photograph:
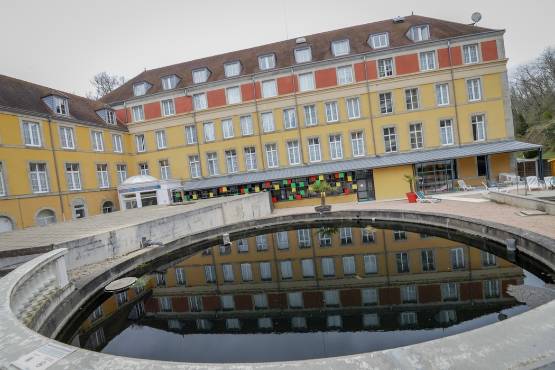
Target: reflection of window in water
[227,269]
[174,324]
[449,292]
[491,288]
[295,300]
[325,239]
[402,260]
[225,250]
[265,271]
[227,302]
[298,322]
[369,296]
[210,273]
[286,269]
[408,294]
[328,266]
[427,260]
[447,316]
[370,264]
[242,245]
[457,258]
[304,238]
[121,298]
[307,266]
[139,309]
[260,301]
[334,321]
[368,236]
[160,279]
[408,318]
[195,303]
[246,272]
[370,320]
[349,267]
[232,324]
[261,243]
[282,240]
[488,259]
[96,314]
[165,304]
[180,276]
[265,323]
[203,324]
[331,298]
[399,235]
[96,339]
[148,198]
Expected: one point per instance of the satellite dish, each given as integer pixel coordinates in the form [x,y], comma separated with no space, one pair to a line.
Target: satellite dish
[476,17]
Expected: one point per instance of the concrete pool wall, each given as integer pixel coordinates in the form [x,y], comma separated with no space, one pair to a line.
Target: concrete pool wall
[525,341]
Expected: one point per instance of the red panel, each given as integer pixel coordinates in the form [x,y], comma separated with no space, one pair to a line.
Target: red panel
[287,84]
[277,300]
[183,104]
[443,58]
[313,299]
[325,78]
[456,56]
[248,91]
[429,293]
[489,50]
[361,74]
[390,295]
[121,115]
[152,110]
[211,303]
[350,297]
[180,304]
[505,284]
[471,290]
[243,302]
[151,305]
[406,64]
[216,98]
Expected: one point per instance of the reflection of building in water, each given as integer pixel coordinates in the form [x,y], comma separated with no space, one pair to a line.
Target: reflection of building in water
[351,279]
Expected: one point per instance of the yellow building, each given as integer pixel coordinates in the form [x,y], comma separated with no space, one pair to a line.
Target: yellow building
[359,107]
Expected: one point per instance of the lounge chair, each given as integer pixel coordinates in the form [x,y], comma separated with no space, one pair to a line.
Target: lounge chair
[422,198]
[508,178]
[533,183]
[549,182]
[495,187]
[463,186]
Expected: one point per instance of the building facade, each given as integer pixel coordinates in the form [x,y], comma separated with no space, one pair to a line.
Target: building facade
[358,107]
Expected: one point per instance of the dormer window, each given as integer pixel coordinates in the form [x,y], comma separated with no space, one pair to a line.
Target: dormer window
[419,33]
[169,82]
[61,105]
[303,55]
[107,115]
[267,61]
[232,69]
[140,88]
[340,47]
[379,40]
[200,75]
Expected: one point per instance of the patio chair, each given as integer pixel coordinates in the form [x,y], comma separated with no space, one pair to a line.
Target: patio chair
[463,186]
[422,198]
[495,187]
[533,183]
[508,178]
[549,182]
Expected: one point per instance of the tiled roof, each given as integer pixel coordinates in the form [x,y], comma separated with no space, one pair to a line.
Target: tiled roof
[321,50]
[389,160]
[26,97]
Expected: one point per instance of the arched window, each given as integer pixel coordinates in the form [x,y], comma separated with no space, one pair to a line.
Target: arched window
[5,224]
[46,217]
[107,207]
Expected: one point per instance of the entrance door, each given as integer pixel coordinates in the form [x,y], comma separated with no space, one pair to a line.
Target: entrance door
[365,185]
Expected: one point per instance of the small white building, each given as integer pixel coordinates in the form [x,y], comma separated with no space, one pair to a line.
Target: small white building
[143,190]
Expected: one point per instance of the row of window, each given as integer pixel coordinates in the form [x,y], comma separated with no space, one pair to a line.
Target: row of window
[32,137]
[328,266]
[331,298]
[303,54]
[60,105]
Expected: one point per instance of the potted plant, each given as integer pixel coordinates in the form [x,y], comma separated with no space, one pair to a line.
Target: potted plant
[322,187]
[411,196]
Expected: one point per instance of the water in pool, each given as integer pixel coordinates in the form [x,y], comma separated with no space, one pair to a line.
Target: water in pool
[302,294]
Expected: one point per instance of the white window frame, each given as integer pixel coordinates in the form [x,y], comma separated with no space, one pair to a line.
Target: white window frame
[386,102]
[200,75]
[353,107]
[233,95]
[336,146]
[306,81]
[357,143]
[232,69]
[67,137]
[250,158]
[446,132]
[168,107]
[231,161]
[194,166]
[117,143]
[378,40]
[269,88]
[272,158]
[412,100]
[161,142]
[191,134]
[314,151]
[209,130]
[303,54]
[332,111]
[103,176]
[293,152]
[471,54]
[73,176]
[138,113]
[39,177]
[390,139]
[344,75]
[164,169]
[419,33]
[227,128]
[267,61]
[474,89]
[247,126]
[140,88]
[385,67]
[310,115]
[442,94]
[289,118]
[416,135]
[478,125]
[32,135]
[61,105]
[286,269]
[268,124]
[97,141]
[200,102]
[121,171]
[427,60]
[212,164]
[340,47]
[169,82]
[140,141]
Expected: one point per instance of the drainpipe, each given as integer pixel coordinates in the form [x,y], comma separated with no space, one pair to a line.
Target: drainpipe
[259,126]
[298,117]
[454,92]
[369,106]
[56,168]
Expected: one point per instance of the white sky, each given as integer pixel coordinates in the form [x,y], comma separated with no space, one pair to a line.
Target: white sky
[63,43]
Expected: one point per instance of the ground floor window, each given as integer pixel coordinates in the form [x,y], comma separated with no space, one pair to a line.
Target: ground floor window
[148,198]
[435,177]
[5,224]
[78,209]
[107,207]
[130,201]
[46,217]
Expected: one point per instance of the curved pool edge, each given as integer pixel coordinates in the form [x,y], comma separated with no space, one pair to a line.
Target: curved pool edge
[524,341]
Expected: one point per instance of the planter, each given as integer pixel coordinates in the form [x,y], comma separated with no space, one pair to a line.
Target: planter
[320,209]
[411,197]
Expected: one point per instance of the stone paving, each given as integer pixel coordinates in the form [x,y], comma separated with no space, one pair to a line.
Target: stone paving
[488,211]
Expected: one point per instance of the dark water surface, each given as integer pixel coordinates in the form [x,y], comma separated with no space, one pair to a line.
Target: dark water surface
[302,294]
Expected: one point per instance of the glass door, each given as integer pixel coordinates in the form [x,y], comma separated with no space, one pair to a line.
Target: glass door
[365,185]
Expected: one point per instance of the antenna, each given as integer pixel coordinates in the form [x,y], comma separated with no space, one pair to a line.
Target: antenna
[476,17]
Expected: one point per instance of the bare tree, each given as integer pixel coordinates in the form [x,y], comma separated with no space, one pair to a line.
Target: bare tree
[103,83]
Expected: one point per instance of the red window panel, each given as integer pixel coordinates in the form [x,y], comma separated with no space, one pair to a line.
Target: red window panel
[489,50]
[390,295]
[406,64]
[325,78]
[250,91]
[216,98]
[183,104]
[287,85]
[152,110]
[429,293]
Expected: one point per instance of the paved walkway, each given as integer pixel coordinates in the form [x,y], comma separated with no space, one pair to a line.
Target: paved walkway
[488,211]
